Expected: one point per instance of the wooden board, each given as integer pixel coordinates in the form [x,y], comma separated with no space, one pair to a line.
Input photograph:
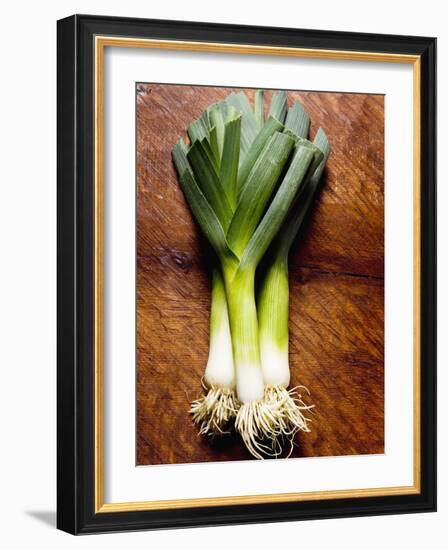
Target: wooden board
[336,274]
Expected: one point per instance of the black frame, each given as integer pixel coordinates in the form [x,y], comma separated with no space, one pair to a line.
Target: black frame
[75,172]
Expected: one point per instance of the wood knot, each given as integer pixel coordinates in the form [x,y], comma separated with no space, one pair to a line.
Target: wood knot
[302,276]
[181,260]
[143,90]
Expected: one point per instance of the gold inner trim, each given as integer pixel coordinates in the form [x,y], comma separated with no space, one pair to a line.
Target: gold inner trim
[101,42]
[219,47]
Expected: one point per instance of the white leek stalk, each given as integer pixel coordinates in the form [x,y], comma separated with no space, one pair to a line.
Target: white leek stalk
[214,411]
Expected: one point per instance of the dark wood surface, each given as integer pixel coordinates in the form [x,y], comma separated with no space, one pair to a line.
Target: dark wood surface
[336,274]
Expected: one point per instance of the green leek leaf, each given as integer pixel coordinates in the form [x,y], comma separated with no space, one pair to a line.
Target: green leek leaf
[217,120]
[198,130]
[181,163]
[214,147]
[205,119]
[249,128]
[209,182]
[298,212]
[271,126]
[298,120]
[259,108]
[257,191]
[230,159]
[200,207]
[279,207]
[278,106]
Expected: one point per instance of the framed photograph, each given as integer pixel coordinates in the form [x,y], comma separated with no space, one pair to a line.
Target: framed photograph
[246,274]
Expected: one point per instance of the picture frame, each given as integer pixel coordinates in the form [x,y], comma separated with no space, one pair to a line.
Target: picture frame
[82,43]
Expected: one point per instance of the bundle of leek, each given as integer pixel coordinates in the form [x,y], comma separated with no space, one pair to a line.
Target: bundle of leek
[249,183]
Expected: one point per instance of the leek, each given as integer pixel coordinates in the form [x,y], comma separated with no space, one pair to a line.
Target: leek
[213,411]
[257,418]
[273,309]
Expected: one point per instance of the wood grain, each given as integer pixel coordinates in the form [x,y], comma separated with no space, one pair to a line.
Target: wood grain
[336,273]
